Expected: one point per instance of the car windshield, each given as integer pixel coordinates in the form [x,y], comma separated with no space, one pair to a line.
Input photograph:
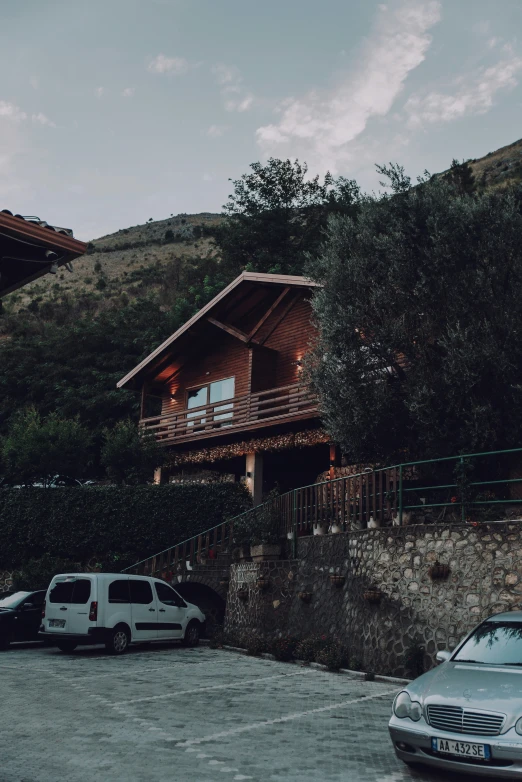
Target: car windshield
[493,643]
[13,600]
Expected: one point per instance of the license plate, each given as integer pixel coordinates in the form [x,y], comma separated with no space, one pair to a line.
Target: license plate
[461,749]
[56,622]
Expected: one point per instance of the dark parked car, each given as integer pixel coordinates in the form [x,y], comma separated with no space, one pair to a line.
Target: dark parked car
[20,616]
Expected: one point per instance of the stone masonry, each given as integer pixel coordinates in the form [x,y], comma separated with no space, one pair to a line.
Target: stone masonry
[485,577]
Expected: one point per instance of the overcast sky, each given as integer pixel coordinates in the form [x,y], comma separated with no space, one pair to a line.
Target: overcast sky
[115,111]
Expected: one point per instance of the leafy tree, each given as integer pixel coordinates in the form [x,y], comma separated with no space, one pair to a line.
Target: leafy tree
[128,456]
[461,177]
[420,318]
[277,214]
[36,449]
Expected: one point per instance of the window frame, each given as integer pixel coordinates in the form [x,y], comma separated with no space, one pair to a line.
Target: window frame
[207,385]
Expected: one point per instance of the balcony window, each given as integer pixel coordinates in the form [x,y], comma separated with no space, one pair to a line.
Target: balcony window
[211,395]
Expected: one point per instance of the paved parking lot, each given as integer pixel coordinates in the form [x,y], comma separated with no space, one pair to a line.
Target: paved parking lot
[189,715]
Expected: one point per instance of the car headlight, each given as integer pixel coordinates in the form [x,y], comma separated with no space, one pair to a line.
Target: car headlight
[403,707]
[518,727]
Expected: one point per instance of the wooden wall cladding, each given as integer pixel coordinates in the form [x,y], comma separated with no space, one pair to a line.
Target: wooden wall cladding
[229,358]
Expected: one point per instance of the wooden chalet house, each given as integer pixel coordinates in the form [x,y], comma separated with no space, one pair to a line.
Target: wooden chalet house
[225,394]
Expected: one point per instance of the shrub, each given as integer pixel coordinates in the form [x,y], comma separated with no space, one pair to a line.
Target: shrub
[333,655]
[255,645]
[117,524]
[37,573]
[308,649]
[284,648]
[414,659]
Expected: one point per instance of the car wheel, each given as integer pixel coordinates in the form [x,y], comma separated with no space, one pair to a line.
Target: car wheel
[67,646]
[192,634]
[118,640]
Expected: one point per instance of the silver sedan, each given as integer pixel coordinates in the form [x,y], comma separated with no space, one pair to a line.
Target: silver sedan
[466,714]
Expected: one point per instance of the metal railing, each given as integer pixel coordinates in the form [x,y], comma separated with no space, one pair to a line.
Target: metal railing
[374,497]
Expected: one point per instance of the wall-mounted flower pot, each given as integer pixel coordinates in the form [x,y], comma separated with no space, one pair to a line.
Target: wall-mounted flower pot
[439,571]
[263,584]
[306,597]
[242,593]
[373,595]
[265,552]
[336,580]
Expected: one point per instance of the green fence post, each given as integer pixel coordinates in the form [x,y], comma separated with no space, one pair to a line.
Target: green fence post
[294,526]
[400,495]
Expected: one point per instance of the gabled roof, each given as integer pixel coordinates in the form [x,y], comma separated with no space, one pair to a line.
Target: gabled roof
[233,291]
[30,248]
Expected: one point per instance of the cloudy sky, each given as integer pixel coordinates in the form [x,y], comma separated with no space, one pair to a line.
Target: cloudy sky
[115,111]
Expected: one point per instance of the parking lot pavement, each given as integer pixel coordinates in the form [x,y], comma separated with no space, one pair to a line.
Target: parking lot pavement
[190,715]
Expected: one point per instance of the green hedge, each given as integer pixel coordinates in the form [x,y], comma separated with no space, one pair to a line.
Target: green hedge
[116,524]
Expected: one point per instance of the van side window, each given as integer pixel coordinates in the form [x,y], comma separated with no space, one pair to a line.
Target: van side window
[140,592]
[119,591]
[77,592]
[167,595]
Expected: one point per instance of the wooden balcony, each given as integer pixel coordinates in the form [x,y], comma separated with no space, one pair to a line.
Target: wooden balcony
[243,413]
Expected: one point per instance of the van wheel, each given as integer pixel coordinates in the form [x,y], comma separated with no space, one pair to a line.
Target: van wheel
[118,640]
[192,634]
[67,646]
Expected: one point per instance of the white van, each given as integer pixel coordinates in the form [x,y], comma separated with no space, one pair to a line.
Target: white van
[116,610]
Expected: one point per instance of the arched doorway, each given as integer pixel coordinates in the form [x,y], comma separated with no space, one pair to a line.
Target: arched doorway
[207,599]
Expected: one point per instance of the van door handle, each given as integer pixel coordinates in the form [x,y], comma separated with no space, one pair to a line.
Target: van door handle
[162,610]
[63,608]
[152,609]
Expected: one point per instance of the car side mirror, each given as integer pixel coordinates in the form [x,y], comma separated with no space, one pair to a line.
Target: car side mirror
[27,606]
[443,656]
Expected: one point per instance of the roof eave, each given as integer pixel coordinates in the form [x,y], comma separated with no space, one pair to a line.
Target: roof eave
[276,279]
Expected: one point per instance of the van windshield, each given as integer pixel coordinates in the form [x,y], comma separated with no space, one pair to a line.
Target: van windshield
[77,591]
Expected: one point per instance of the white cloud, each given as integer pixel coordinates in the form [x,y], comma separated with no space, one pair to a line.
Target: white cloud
[12,111]
[321,126]
[235,97]
[128,92]
[214,131]
[163,64]
[99,91]
[470,96]
[42,119]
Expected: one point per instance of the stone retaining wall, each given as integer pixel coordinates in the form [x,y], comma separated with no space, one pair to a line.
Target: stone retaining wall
[6,581]
[485,577]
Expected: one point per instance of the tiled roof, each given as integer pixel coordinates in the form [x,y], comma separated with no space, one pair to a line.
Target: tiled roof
[39,222]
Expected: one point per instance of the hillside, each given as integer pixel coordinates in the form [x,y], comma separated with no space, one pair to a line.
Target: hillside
[500,168]
[144,258]
[128,261]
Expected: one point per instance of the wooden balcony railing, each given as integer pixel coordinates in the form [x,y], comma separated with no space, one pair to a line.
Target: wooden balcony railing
[249,411]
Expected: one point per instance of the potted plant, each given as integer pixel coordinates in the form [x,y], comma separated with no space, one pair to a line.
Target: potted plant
[242,593]
[373,595]
[439,570]
[265,539]
[319,529]
[306,597]
[337,580]
[336,527]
